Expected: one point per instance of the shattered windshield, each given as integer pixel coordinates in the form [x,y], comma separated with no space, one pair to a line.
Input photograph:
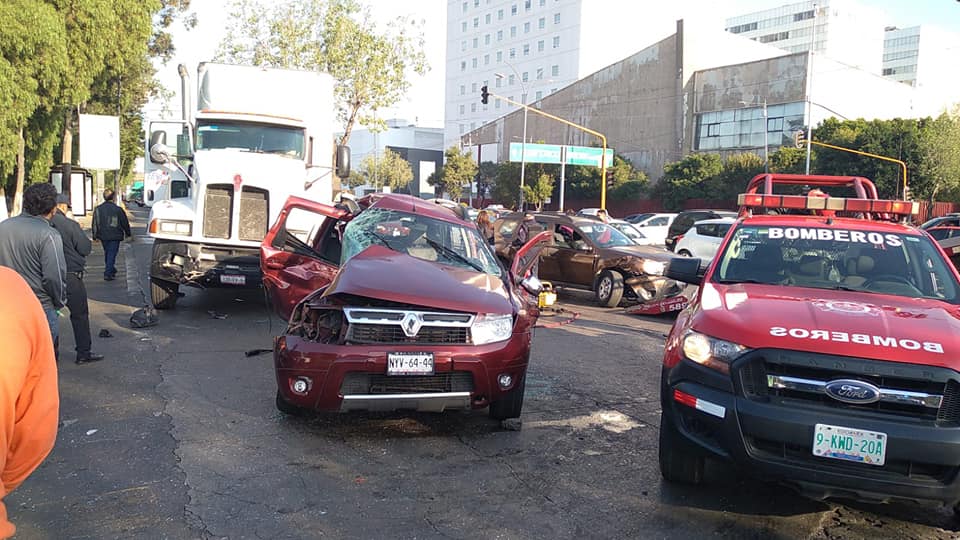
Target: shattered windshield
[419,236]
[605,235]
[838,259]
[251,137]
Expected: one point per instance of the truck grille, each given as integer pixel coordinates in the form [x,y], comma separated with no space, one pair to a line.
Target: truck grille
[254,212]
[218,211]
[388,325]
[908,391]
[375,383]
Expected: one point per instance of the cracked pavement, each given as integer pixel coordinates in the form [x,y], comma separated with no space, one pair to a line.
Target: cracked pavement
[188,444]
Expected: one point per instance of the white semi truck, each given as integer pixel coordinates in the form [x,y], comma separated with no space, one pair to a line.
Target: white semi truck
[256,137]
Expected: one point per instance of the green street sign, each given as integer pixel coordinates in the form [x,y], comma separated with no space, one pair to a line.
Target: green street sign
[587,155]
[535,153]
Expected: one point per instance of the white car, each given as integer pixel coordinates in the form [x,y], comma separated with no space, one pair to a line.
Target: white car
[653,226]
[631,232]
[704,238]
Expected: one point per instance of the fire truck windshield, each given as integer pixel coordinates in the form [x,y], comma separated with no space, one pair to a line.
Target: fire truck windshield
[840,259]
[251,137]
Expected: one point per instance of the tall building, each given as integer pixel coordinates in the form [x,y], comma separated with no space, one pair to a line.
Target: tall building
[532,48]
[848,32]
[922,56]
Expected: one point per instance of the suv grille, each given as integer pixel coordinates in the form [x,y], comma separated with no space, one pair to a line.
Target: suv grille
[375,383]
[407,326]
[384,333]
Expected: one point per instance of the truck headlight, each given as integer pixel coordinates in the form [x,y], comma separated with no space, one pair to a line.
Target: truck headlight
[653,268]
[491,329]
[169,226]
[711,352]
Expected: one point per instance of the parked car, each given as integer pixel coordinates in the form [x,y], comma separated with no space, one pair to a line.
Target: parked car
[594,256]
[631,231]
[394,302]
[589,212]
[942,232]
[949,220]
[686,219]
[653,226]
[704,238]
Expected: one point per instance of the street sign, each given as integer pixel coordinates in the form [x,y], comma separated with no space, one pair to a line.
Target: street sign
[535,153]
[586,155]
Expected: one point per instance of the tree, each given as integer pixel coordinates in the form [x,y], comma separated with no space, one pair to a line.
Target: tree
[333,36]
[506,185]
[387,169]
[940,149]
[686,179]
[538,191]
[788,160]
[458,170]
[486,179]
[737,171]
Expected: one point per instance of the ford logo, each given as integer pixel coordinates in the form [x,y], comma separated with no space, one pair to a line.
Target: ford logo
[852,391]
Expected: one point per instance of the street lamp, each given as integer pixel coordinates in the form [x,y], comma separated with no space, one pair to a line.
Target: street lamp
[523,144]
[766,144]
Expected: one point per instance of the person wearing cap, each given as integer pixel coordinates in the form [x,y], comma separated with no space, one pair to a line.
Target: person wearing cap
[76,247]
[111,226]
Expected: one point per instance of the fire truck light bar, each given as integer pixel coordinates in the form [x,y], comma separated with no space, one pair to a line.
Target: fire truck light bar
[880,206]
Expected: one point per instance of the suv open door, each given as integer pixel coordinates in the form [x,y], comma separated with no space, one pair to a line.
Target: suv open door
[300,253]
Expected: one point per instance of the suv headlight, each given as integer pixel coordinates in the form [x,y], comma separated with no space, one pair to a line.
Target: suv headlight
[711,352]
[653,268]
[491,329]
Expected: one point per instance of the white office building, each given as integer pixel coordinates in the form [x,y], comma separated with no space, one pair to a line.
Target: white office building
[846,31]
[533,48]
[923,57]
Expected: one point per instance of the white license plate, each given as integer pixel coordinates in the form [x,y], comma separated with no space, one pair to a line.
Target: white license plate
[850,444]
[409,363]
[228,279]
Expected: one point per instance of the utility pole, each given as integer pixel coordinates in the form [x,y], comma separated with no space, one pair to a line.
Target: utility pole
[813,44]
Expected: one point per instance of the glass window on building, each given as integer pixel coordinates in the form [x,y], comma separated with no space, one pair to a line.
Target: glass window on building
[745,128]
[542,23]
[486,19]
[556,42]
[474,62]
[473,87]
[499,35]
[526,49]
[540,46]
[463,128]
[526,76]
[526,4]
[486,39]
[499,80]
[462,108]
[476,42]
[513,9]
[499,56]
[473,125]
[499,14]
[539,95]
[513,53]
[463,89]
[555,70]
[513,31]
[543,3]
[463,45]
[539,74]
[496,104]
[556,18]
[464,7]
[476,22]
[473,107]
[486,59]
[463,66]
[463,26]
[526,28]
[511,80]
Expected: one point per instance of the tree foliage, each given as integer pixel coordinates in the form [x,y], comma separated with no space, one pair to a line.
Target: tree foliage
[458,171]
[940,150]
[338,37]
[687,179]
[387,169]
[539,190]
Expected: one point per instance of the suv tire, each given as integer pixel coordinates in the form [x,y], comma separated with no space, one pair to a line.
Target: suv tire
[684,253]
[679,459]
[609,289]
[163,294]
[511,404]
[288,408]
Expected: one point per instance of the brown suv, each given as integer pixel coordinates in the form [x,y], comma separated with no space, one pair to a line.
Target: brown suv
[589,254]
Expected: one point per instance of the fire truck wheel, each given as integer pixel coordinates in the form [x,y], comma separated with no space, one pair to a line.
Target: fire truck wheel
[163,293]
[679,459]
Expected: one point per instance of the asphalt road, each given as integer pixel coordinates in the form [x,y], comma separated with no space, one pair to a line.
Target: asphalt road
[175,435]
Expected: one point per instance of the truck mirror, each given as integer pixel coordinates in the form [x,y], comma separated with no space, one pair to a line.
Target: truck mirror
[343,161]
[684,269]
[159,153]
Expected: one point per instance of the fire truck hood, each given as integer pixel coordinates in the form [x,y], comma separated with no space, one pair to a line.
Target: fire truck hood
[842,323]
[261,170]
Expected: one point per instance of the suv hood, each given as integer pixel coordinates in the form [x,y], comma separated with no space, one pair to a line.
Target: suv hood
[378,272]
[842,323]
[623,253]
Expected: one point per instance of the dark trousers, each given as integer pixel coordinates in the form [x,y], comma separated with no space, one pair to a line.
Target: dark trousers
[110,250]
[79,312]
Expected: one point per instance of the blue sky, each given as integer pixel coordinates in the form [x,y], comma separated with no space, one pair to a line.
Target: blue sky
[427,95]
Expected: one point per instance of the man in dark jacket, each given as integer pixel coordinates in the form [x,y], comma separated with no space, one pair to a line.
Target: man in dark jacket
[110,226]
[31,247]
[76,247]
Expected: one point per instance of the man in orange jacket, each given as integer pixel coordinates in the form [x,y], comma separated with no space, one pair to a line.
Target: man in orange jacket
[29,402]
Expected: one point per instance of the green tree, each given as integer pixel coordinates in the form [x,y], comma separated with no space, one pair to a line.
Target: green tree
[788,160]
[940,149]
[738,170]
[687,179]
[538,191]
[387,169]
[338,37]
[458,170]
[486,178]
[506,185]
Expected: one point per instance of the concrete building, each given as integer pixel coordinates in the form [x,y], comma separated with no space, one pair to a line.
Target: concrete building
[533,48]
[421,147]
[703,90]
[923,57]
[846,31]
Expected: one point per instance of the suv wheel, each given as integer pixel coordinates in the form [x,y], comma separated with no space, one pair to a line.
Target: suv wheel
[609,289]
[684,253]
[679,459]
[163,293]
[510,405]
[286,407]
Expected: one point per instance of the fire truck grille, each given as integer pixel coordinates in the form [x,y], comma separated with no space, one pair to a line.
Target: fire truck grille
[217,211]
[375,383]
[254,209]
[907,391]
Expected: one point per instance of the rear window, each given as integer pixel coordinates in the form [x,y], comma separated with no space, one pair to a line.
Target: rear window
[838,259]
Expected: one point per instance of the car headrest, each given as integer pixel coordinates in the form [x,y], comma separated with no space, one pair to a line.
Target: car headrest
[810,265]
[864,264]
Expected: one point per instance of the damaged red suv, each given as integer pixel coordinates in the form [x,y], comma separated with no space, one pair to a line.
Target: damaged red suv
[396,303]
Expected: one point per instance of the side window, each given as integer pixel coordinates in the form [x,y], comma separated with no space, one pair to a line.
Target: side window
[939,234]
[707,230]
[563,236]
[722,230]
[657,222]
[683,224]
[304,225]
[507,227]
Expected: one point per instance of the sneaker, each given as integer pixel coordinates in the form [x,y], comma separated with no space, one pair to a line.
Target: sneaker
[108,278]
[88,358]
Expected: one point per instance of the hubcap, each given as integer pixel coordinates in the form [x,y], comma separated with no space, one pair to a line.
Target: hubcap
[605,287]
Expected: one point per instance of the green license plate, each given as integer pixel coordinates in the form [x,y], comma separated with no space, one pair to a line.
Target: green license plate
[849,444]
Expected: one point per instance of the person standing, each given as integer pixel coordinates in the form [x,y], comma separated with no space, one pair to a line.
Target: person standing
[110,226]
[485,226]
[29,403]
[76,247]
[30,246]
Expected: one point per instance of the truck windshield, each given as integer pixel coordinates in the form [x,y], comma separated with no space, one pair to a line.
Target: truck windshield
[421,237]
[839,259]
[250,137]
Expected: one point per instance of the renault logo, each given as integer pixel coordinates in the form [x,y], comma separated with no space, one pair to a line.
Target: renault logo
[852,391]
[411,324]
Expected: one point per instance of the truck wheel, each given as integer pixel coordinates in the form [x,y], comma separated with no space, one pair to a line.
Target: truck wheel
[163,293]
[679,459]
[609,289]
[288,408]
[510,405]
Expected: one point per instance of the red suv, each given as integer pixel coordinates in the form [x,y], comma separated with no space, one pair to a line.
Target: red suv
[821,350]
[396,303]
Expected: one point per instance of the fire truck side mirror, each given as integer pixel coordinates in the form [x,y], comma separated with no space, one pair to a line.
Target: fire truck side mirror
[343,161]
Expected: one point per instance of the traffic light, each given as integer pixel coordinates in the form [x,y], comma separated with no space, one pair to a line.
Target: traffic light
[484,95]
[906,193]
[799,138]
[609,179]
